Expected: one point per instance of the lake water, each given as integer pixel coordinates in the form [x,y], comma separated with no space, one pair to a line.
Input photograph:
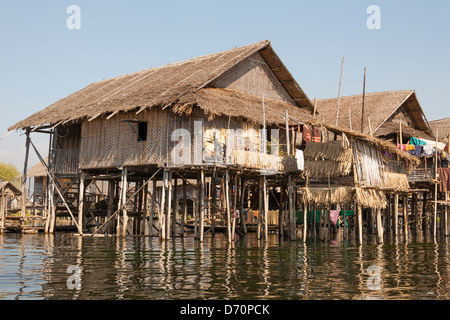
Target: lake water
[37,266]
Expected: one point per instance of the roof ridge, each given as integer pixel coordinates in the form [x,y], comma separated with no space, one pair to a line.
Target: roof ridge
[368,94]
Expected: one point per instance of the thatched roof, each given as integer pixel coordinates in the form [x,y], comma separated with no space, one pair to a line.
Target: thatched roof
[160,87]
[443,128]
[38,170]
[379,106]
[230,103]
[9,185]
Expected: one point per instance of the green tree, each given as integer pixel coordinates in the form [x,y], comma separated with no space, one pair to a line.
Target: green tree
[9,172]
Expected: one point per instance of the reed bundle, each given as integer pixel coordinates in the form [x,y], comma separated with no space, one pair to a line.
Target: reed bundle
[329,195]
[399,181]
[326,168]
[329,151]
[370,198]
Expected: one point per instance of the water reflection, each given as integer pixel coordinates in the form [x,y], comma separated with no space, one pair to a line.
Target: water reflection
[35,267]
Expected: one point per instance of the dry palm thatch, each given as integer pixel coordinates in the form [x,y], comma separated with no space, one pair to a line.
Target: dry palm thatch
[329,195]
[160,87]
[443,128]
[323,169]
[379,106]
[329,151]
[397,181]
[371,198]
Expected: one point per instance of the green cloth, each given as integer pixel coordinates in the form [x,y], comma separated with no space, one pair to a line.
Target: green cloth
[299,215]
[417,142]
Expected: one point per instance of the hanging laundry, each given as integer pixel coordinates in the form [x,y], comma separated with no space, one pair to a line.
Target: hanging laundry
[417,142]
[418,150]
[444,179]
[316,135]
[306,134]
[428,150]
[334,215]
[402,147]
[300,159]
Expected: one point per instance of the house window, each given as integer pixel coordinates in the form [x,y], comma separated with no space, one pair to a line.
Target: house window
[142,131]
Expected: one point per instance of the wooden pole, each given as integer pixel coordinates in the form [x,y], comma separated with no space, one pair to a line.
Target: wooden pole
[260,209]
[233,227]
[81,203]
[227,200]
[144,229]
[266,209]
[339,94]
[396,215]
[360,224]
[2,212]
[292,224]
[281,212]
[435,186]
[124,197]
[241,211]
[202,203]
[363,101]
[315,108]
[169,207]
[405,216]
[110,209]
[24,182]
[379,226]
[175,206]
[288,150]
[152,209]
[185,207]
[162,216]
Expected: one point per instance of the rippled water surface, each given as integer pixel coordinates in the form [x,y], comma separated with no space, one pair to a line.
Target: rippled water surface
[36,266]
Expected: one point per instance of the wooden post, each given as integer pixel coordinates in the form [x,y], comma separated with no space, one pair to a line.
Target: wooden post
[227,201]
[360,224]
[110,209]
[344,218]
[169,207]
[124,199]
[174,207]
[266,209]
[339,94]
[396,216]
[446,214]
[2,212]
[379,226]
[241,211]
[185,207]
[260,209]
[292,224]
[162,211]
[144,229]
[415,211]
[24,182]
[281,212]
[81,203]
[405,216]
[233,227]
[288,150]
[152,209]
[435,186]
[202,203]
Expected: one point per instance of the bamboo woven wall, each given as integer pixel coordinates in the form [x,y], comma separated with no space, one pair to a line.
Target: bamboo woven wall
[253,76]
[114,142]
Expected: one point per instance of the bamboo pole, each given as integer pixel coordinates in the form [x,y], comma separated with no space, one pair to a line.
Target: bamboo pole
[233,227]
[379,226]
[405,216]
[266,209]
[2,212]
[110,209]
[241,211]
[162,216]
[184,214]
[81,203]
[227,200]
[435,187]
[144,229]
[169,207]
[124,197]
[260,209]
[24,181]
[360,224]
[202,203]
[288,150]
[281,212]
[339,93]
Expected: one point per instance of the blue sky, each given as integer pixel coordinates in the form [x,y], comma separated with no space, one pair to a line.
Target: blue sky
[42,61]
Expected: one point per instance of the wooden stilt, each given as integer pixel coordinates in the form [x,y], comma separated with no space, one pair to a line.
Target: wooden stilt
[360,223]
[185,207]
[379,226]
[266,209]
[281,212]
[227,201]
[446,213]
[236,188]
[2,211]
[292,224]
[241,210]
[162,211]
[174,207]
[124,198]
[405,217]
[24,181]
[202,203]
[260,209]
[151,230]
[81,203]
[145,211]
[314,218]
[111,188]
[169,207]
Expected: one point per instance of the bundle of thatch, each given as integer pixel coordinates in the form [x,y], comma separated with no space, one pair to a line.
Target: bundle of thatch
[371,198]
[332,150]
[323,169]
[330,195]
[399,181]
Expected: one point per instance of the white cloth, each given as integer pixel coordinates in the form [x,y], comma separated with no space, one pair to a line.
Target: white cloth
[300,159]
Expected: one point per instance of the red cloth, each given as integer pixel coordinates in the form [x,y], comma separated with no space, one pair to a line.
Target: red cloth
[306,134]
[334,215]
[316,135]
[444,178]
